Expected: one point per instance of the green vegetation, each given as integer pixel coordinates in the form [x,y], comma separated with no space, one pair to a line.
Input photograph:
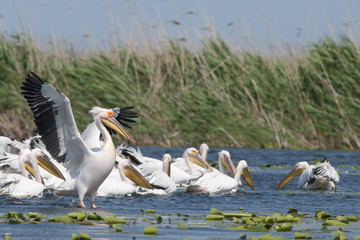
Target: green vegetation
[257,226]
[300,99]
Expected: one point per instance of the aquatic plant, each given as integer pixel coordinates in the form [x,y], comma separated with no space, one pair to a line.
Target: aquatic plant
[291,100]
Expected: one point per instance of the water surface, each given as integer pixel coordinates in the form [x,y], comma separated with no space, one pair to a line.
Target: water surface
[192,208]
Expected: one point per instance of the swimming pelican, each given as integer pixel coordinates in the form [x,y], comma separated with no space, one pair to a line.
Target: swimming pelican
[214,181]
[177,175]
[157,176]
[20,185]
[319,176]
[191,162]
[115,185]
[56,125]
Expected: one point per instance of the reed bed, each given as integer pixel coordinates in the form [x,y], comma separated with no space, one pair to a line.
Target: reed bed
[298,99]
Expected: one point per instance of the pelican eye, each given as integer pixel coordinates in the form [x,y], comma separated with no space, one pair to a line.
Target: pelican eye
[110,114]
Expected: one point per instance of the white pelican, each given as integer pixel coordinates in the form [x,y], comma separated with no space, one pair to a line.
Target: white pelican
[158,177]
[20,185]
[56,125]
[177,175]
[214,181]
[186,163]
[115,185]
[319,176]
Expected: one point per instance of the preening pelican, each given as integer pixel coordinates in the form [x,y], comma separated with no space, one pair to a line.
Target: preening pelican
[158,176]
[20,185]
[214,181]
[115,185]
[319,176]
[56,125]
[177,175]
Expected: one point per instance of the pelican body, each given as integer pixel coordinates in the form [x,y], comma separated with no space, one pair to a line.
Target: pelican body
[22,185]
[320,176]
[56,125]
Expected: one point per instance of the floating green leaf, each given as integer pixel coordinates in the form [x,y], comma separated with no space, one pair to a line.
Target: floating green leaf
[269,236]
[284,227]
[7,237]
[10,215]
[116,227]
[94,216]
[15,220]
[299,235]
[214,217]
[62,219]
[352,218]
[339,235]
[257,228]
[37,216]
[152,229]
[238,215]
[216,211]
[322,215]
[182,225]
[334,223]
[112,220]
[84,236]
[150,211]
[342,218]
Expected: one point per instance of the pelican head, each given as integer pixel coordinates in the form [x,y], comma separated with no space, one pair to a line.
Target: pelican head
[193,155]
[225,160]
[298,169]
[107,118]
[242,167]
[42,159]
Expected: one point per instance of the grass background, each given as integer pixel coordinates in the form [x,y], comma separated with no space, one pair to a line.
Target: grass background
[307,98]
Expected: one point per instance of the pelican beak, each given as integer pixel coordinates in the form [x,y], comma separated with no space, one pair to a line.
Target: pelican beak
[30,169]
[46,164]
[197,159]
[112,123]
[290,176]
[247,177]
[137,177]
[228,164]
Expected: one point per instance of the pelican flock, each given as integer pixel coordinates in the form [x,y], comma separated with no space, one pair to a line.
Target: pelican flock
[66,162]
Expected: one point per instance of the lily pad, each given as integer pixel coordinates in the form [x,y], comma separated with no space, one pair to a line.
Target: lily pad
[7,237]
[284,227]
[299,235]
[322,215]
[211,217]
[334,223]
[238,215]
[339,235]
[116,227]
[62,219]
[10,215]
[150,211]
[216,211]
[269,236]
[37,216]
[94,216]
[112,220]
[182,225]
[352,218]
[152,229]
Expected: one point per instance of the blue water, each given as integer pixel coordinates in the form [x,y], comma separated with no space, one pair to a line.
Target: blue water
[192,208]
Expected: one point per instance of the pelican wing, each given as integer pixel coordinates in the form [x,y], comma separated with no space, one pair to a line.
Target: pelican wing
[54,119]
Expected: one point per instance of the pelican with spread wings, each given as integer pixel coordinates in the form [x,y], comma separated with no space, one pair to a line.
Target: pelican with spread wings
[56,125]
